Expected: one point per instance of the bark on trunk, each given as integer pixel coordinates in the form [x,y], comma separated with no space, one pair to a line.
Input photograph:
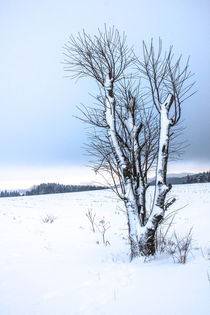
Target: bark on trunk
[134,223]
[147,238]
[133,228]
[146,241]
[143,205]
[129,197]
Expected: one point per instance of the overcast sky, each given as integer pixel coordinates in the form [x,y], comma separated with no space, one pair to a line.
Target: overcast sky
[40,138]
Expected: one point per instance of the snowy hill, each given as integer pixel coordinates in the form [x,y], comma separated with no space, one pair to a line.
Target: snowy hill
[63,268]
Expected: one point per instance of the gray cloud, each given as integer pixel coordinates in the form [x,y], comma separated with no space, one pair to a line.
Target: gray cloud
[37,103]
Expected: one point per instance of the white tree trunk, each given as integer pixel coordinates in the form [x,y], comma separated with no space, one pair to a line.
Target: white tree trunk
[161,189]
[147,237]
[129,196]
[133,221]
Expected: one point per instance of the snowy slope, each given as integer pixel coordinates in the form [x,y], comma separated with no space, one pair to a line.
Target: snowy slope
[63,268]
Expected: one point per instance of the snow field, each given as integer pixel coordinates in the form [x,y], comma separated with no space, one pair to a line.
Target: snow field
[63,268]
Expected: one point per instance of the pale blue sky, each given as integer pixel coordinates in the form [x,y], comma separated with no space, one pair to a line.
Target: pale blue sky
[37,128]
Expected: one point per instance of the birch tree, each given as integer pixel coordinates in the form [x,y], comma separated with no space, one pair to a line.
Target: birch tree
[132,124]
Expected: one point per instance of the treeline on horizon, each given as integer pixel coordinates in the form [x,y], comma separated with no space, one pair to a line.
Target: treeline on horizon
[189,179]
[51,188]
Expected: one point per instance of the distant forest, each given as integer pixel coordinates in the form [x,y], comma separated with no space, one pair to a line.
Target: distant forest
[52,188]
[189,179]
[6,193]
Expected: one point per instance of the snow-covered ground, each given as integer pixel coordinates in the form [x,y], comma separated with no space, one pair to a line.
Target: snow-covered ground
[63,268]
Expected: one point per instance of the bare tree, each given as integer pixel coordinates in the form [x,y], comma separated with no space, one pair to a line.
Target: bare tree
[167,82]
[131,127]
